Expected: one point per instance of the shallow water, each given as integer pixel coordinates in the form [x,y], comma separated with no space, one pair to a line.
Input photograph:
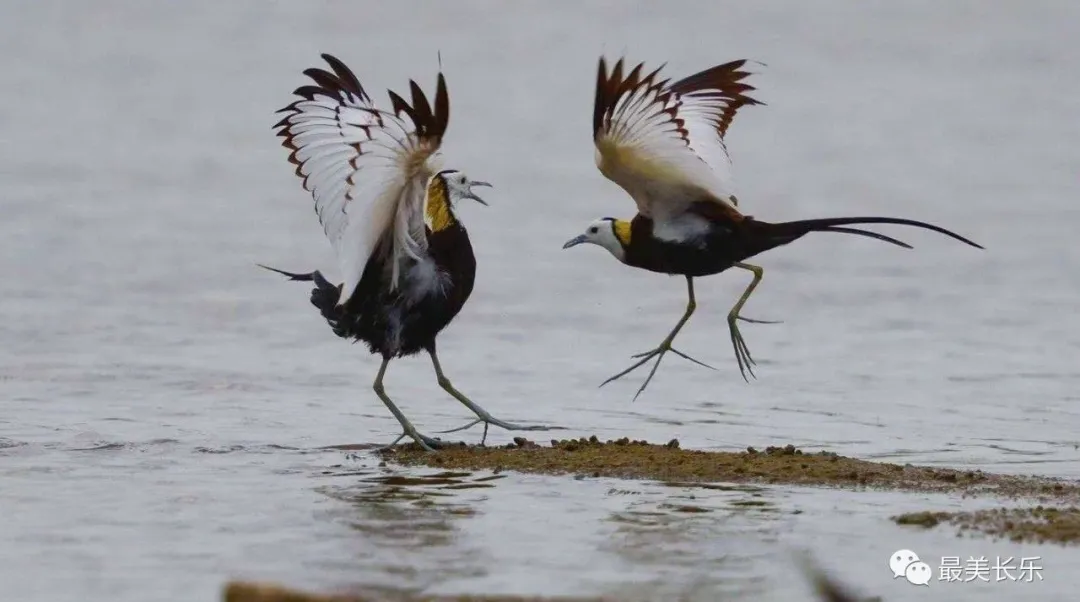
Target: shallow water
[166,405]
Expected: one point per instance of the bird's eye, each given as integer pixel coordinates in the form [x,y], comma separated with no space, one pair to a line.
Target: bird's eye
[593,230]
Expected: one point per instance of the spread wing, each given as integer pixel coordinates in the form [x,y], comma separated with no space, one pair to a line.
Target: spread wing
[366,168]
[664,142]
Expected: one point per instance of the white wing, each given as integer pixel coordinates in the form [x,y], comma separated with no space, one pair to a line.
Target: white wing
[366,168]
[664,143]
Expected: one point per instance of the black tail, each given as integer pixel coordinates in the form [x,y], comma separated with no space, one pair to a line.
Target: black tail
[290,275]
[324,297]
[797,229]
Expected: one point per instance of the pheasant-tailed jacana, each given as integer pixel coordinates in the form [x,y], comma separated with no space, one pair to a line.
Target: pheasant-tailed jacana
[406,260]
[663,143]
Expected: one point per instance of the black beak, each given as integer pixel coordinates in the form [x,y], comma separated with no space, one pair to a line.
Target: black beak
[472,195]
[577,240]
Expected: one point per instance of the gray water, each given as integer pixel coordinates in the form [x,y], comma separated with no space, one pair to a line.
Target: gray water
[166,406]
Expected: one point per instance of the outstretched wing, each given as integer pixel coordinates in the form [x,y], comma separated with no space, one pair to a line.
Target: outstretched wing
[664,142]
[366,168]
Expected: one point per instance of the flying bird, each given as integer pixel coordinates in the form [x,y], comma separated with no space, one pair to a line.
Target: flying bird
[663,143]
[389,212]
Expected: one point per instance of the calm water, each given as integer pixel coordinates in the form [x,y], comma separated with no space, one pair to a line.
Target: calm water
[165,404]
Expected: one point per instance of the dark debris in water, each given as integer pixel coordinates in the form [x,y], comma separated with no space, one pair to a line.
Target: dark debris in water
[750,503]
[826,588]
[685,508]
[237,591]
[1039,524]
[113,446]
[227,449]
[921,519]
[587,457]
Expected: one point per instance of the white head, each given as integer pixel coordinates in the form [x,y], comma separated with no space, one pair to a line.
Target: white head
[608,232]
[460,186]
[444,191]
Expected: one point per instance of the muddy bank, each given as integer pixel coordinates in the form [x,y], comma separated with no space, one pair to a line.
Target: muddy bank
[777,465]
[238,591]
[1032,525]
[826,588]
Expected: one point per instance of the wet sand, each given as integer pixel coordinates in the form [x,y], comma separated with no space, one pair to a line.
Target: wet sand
[1030,525]
[787,465]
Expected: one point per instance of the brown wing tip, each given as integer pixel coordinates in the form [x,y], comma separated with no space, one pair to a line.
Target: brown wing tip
[430,122]
[342,81]
[442,103]
[727,80]
[600,99]
[346,76]
[611,88]
[325,83]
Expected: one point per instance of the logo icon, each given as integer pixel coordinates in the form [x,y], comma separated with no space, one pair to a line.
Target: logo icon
[918,573]
[906,564]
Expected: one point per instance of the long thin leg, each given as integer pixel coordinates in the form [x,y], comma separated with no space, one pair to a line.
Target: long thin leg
[423,441]
[742,352]
[482,415]
[665,345]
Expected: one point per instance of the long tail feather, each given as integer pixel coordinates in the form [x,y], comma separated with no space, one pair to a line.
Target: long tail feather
[291,276]
[868,234]
[830,224]
[324,297]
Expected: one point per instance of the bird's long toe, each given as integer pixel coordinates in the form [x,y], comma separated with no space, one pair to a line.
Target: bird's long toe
[692,359]
[648,354]
[426,443]
[756,321]
[489,421]
[429,443]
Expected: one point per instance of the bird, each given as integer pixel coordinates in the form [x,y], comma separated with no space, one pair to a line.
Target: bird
[389,211]
[663,143]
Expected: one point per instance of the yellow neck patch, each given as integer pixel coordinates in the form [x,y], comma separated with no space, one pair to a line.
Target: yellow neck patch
[622,231]
[437,214]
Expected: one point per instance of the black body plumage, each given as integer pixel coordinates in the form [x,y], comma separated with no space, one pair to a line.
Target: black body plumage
[729,242]
[392,323]
[399,322]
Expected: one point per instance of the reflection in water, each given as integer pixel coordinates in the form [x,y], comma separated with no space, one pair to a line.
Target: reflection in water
[695,541]
[407,525]
[419,532]
[684,540]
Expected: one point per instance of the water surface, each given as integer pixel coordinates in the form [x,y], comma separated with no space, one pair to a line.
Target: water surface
[166,405]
